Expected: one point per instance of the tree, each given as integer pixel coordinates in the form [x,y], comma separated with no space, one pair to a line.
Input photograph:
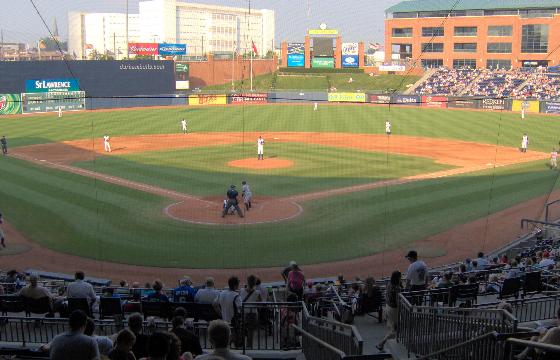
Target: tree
[49,44]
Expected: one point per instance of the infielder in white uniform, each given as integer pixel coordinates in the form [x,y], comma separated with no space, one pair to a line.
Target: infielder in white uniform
[60,111]
[524,142]
[184,126]
[106,144]
[246,194]
[315,106]
[388,127]
[260,148]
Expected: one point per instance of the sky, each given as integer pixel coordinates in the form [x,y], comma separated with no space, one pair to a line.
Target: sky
[20,22]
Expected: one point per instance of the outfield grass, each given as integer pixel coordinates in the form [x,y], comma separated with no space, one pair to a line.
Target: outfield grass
[203,171]
[78,215]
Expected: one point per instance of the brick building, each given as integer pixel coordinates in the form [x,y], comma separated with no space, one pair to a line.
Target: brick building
[473,33]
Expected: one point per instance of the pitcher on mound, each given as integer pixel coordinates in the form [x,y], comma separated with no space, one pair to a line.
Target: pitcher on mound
[260,148]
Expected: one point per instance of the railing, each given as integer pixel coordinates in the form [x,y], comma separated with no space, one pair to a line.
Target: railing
[551,351]
[315,348]
[531,309]
[424,330]
[342,336]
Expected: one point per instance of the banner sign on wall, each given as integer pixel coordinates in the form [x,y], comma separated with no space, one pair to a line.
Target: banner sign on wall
[395,68]
[494,104]
[250,98]
[172,49]
[50,85]
[350,61]
[10,104]
[434,101]
[529,106]
[52,101]
[406,100]
[347,97]
[380,99]
[350,48]
[181,76]
[143,48]
[296,60]
[207,99]
[296,48]
[550,107]
[463,103]
[324,62]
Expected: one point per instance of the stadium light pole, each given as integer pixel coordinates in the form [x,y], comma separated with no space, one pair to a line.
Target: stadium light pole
[126,25]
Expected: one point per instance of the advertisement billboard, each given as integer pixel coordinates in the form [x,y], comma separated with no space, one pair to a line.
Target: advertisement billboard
[143,48]
[463,103]
[323,32]
[494,104]
[434,101]
[350,61]
[530,106]
[52,101]
[10,104]
[50,85]
[380,99]
[350,48]
[250,98]
[204,99]
[405,100]
[296,60]
[296,48]
[172,49]
[322,62]
[395,68]
[550,107]
[347,97]
[181,76]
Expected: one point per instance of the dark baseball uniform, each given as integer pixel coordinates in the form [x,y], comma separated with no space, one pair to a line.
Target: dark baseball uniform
[232,201]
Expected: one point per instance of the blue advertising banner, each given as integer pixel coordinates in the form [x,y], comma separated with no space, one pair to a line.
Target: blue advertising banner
[296,60]
[406,100]
[50,85]
[172,49]
[550,107]
[350,61]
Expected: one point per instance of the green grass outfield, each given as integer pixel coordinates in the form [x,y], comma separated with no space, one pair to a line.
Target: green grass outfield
[90,218]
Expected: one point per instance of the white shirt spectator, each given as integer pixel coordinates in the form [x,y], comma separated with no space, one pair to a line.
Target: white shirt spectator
[225,300]
[546,262]
[481,263]
[206,295]
[81,289]
[417,273]
[104,344]
[263,291]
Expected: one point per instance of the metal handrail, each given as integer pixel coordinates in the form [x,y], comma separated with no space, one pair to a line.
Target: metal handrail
[536,345]
[546,209]
[320,342]
[492,334]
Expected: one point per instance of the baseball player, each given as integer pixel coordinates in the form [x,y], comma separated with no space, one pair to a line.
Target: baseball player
[106,144]
[246,194]
[524,142]
[2,232]
[4,144]
[231,210]
[388,127]
[553,157]
[184,126]
[232,201]
[60,111]
[260,148]
[315,106]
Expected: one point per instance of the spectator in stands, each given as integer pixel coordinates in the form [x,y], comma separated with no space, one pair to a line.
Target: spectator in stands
[481,262]
[123,284]
[158,294]
[208,294]
[135,324]
[33,290]
[249,294]
[468,264]
[185,292]
[547,336]
[462,275]
[123,348]
[394,287]
[104,344]
[263,291]
[287,270]
[228,303]
[493,286]
[288,317]
[174,346]
[189,341]
[219,335]
[513,271]
[81,289]
[11,277]
[504,259]
[296,281]
[546,262]
[74,344]
[445,281]
[159,345]
[417,272]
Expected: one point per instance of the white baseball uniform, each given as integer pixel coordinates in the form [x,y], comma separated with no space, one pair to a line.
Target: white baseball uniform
[260,147]
[247,194]
[524,143]
[184,125]
[59,112]
[387,127]
[106,144]
[315,106]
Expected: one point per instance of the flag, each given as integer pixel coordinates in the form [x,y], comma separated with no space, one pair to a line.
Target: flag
[254,48]
[375,46]
[89,46]
[42,44]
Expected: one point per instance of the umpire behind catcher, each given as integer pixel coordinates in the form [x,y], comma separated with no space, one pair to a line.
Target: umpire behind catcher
[232,201]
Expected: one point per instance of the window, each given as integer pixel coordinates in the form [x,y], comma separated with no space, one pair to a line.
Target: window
[464,47]
[465,31]
[432,63]
[404,15]
[425,14]
[500,30]
[402,32]
[432,47]
[537,13]
[534,39]
[464,63]
[499,12]
[498,64]
[432,31]
[499,48]
[403,51]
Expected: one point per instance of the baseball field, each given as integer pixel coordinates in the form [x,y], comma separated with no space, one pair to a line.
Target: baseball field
[332,187]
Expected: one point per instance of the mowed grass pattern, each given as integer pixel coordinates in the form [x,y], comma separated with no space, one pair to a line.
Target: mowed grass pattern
[93,219]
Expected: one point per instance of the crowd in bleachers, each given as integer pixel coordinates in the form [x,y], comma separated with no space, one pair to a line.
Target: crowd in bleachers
[522,83]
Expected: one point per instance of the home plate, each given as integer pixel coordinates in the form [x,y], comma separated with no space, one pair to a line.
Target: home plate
[42,160]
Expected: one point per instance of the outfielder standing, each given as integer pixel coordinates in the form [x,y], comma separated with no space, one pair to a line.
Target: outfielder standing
[106,144]
[553,159]
[260,148]
[246,194]
[524,142]
[184,126]
[60,111]
[315,106]
[2,231]
[232,201]
[4,143]
[388,127]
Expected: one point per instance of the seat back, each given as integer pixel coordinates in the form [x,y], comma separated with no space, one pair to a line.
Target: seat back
[464,292]
[203,312]
[510,288]
[155,308]
[11,303]
[79,304]
[110,306]
[440,296]
[37,306]
[532,283]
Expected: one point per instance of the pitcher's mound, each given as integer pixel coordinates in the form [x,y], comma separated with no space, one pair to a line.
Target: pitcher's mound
[270,163]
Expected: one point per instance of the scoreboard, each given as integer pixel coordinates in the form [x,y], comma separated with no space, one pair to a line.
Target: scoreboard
[52,101]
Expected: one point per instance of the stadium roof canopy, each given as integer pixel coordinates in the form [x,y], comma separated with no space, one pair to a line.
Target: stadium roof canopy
[447,5]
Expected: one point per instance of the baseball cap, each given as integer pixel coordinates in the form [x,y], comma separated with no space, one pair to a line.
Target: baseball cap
[412,254]
[292,263]
[232,186]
